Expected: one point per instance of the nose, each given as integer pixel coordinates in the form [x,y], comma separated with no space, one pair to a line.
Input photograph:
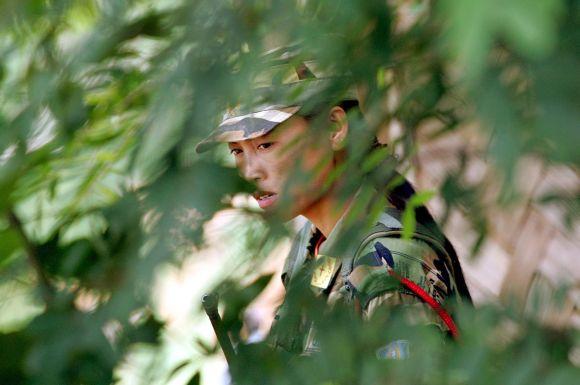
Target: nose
[252,169]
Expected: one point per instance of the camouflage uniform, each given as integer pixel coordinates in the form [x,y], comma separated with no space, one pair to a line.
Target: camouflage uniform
[421,259]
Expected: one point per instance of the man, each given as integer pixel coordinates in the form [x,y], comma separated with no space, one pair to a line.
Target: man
[347,244]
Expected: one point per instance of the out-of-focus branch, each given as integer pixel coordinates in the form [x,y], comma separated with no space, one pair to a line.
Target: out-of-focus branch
[47,290]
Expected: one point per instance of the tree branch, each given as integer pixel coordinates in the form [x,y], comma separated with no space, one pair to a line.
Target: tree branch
[47,290]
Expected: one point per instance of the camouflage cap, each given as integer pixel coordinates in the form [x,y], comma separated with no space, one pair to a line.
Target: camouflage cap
[298,84]
[236,127]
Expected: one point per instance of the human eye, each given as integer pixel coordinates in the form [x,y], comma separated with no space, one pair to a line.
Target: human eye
[235,151]
[266,145]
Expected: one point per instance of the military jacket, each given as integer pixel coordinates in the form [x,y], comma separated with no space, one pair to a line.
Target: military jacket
[345,269]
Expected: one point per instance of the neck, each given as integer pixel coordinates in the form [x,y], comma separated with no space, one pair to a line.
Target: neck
[326,211]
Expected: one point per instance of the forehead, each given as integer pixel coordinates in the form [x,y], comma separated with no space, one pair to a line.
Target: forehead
[286,130]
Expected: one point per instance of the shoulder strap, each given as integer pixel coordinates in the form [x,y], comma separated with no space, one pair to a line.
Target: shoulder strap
[399,196]
[386,222]
[389,224]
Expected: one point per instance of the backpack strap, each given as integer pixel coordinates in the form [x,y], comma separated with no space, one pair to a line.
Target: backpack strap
[385,223]
[389,225]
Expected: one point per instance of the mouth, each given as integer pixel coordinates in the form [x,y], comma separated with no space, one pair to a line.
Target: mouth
[265,198]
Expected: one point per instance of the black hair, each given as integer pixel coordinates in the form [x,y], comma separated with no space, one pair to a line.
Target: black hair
[312,113]
[348,105]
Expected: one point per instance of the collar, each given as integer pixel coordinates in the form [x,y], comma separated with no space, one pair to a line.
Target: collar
[352,222]
[339,243]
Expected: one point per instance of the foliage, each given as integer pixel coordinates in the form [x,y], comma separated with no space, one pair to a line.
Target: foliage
[101,102]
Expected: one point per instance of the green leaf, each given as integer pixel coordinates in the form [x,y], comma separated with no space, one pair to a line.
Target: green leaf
[531,26]
[409,220]
[469,32]
[13,356]
[195,380]
[10,242]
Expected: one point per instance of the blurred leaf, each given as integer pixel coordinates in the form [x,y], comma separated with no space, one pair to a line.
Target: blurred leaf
[530,27]
[15,347]
[9,243]
[195,380]
[101,103]
[409,220]
[205,348]
[145,331]
[58,355]
[472,28]
[236,299]
[69,107]
[569,201]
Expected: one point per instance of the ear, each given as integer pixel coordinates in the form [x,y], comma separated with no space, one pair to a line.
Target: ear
[339,121]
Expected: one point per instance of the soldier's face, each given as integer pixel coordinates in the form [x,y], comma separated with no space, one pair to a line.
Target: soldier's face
[288,165]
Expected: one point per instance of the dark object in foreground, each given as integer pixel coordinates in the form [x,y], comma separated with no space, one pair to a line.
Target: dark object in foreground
[210,305]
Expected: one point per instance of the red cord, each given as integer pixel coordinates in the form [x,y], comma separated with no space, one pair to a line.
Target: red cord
[418,290]
[318,243]
[431,302]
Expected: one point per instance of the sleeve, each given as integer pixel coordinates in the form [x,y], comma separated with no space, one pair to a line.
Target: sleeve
[413,259]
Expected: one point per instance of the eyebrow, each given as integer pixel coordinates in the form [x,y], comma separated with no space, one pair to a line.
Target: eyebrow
[269,134]
[262,137]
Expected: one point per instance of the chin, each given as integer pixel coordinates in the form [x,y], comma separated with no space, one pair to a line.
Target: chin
[282,212]
[278,214]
